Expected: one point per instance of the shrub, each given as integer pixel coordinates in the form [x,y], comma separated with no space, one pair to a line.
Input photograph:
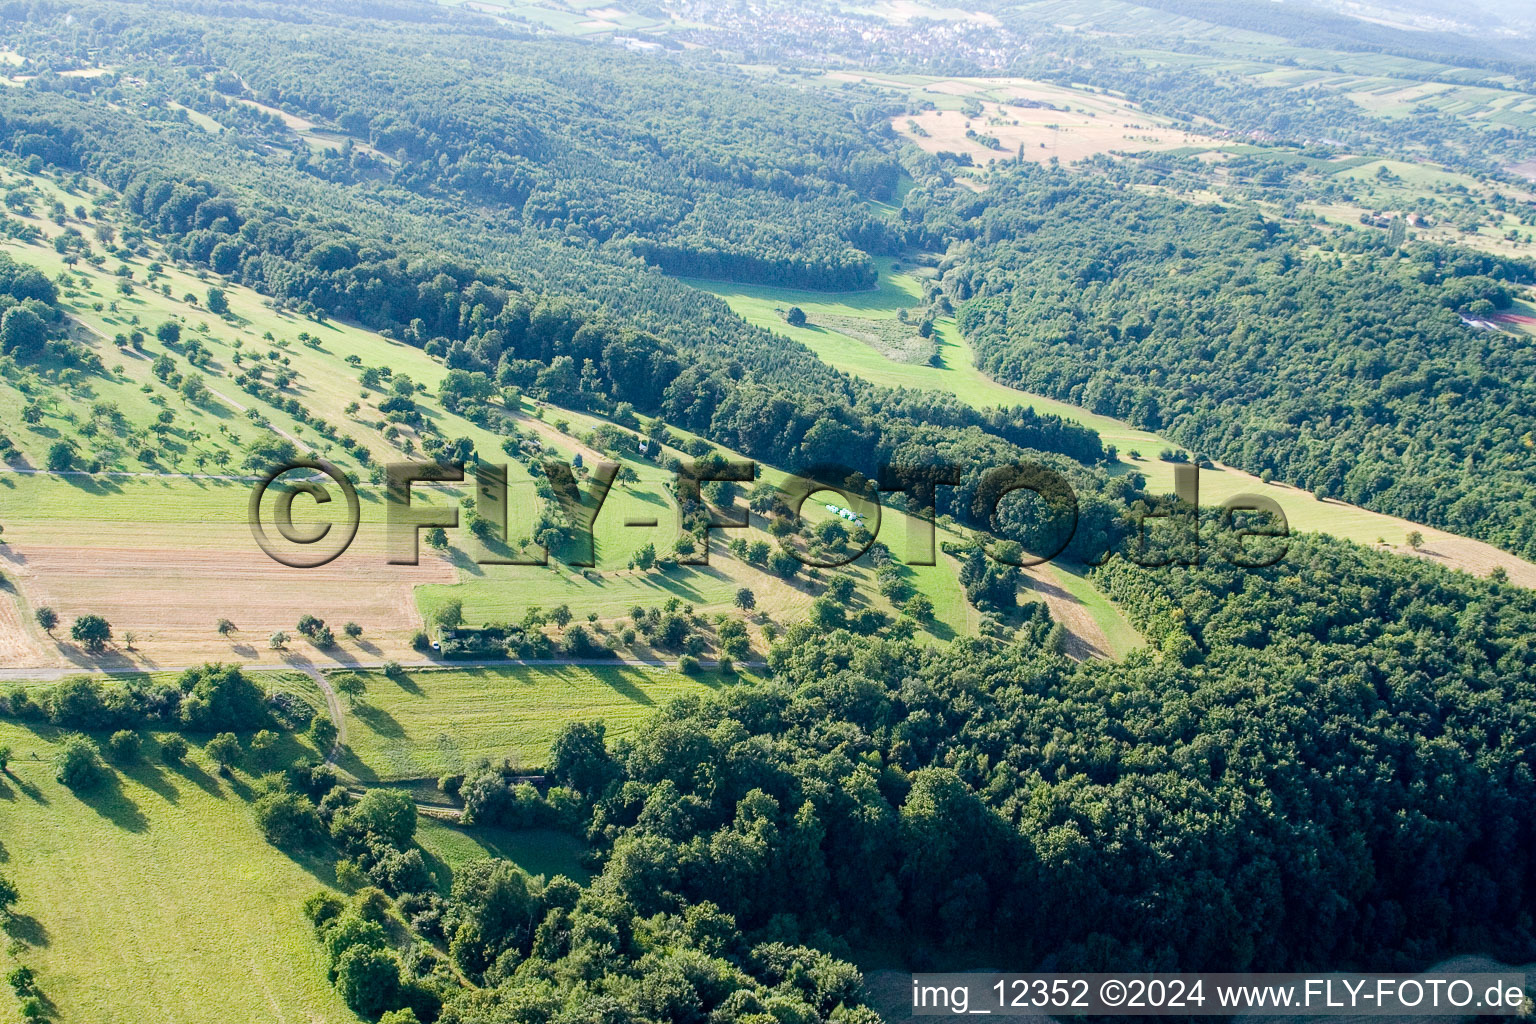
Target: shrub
[324,907]
[688,665]
[221,698]
[264,747]
[288,820]
[77,765]
[123,746]
[368,979]
[9,894]
[323,731]
[224,749]
[21,979]
[173,749]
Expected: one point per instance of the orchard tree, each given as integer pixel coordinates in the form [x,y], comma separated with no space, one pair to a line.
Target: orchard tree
[450,615]
[61,457]
[352,686]
[91,632]
[368,979]
[124,746]
[173,749]
[22,332]
[77,765]
[745,599]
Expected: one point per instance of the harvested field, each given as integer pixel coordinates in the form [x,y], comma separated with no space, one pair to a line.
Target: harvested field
[171,594]
[1043,133]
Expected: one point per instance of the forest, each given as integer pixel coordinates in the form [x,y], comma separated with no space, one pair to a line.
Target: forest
[1334,361]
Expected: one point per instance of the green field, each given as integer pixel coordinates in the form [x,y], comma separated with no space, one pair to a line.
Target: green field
[445,720]
[537,851]
[157,898]
[959,376]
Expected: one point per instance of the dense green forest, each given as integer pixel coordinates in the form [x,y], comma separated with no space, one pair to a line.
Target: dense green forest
[699,172]
[1336,362]
[1326,765]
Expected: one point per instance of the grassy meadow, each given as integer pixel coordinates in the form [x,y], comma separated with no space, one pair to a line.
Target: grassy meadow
[157,898]
[440,721]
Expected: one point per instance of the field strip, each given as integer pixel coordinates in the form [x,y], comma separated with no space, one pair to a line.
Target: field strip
[50,674]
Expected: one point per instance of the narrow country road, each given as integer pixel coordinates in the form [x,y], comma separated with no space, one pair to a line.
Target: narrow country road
[332,708]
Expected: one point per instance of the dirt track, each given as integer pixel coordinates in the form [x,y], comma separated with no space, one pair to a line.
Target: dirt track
[1085,638]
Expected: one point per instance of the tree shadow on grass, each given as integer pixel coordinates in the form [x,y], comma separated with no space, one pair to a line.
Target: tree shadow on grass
[439,869]
[29,790]
[153,779]
[238,786]
[379,720]
[98,485]
[463,561]
[107,799]
[194,774]
[353,765]
[406,683]
[622,681]
[26,928]
[939,629]
[320,864]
